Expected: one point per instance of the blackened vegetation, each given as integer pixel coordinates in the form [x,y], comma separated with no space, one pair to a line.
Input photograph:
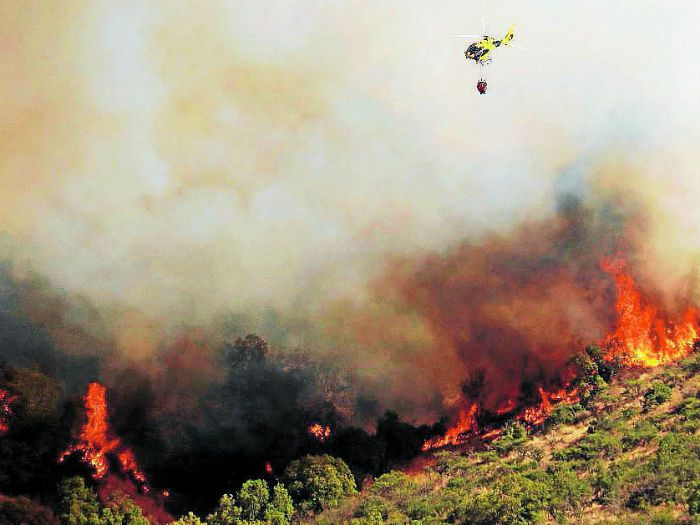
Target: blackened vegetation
[199,439]
[258,416]
[39,428]
[200,420]
[395,441]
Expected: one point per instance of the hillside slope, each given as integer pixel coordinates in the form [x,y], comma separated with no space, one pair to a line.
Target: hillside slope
[631,456]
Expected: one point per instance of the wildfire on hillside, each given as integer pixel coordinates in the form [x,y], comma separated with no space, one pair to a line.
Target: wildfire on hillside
[643,336]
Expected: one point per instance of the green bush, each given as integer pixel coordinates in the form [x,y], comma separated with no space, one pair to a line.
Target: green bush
[691,364]
[689,409]
[597,444]
[514,434]
[319,482]
[226,512]
[252,498]
[280,509]
[565,414]
[640,434]
[606,482]
[671,475]
[373,506]
[657,394]
[78,505]
[694,499]
[253,505]
[189,519]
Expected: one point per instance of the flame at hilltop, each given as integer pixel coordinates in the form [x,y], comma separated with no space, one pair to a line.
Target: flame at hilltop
[643,336]
[96,443]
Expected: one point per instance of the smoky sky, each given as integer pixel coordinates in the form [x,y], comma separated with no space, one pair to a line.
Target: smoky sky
[177,164]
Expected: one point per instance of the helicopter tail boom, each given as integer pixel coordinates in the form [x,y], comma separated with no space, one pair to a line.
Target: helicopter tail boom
[509,35]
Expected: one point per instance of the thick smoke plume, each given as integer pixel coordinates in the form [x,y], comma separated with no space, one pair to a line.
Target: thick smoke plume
[508,312]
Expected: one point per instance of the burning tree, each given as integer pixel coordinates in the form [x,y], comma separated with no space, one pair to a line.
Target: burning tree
[96,441]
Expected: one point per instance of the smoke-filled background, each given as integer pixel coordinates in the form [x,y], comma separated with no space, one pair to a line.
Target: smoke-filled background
[176,175]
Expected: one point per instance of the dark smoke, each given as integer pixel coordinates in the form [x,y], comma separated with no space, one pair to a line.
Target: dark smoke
[203,413]
[32,323]
[513,309]
[203,438]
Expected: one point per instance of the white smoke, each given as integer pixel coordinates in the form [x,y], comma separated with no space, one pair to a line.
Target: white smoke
[187,158]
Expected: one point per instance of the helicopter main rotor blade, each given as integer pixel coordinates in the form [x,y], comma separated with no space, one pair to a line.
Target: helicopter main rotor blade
[469,36]
[483,26]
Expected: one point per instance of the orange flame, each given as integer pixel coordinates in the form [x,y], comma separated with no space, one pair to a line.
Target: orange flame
[643,336]
[458,434]
[319,431]
[6,401]
[536,415]
[95,441]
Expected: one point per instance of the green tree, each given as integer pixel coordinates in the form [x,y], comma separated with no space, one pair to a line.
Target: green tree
[77,503]
[281,507]
[253,498]
[121,510]
[319,482]
[226,513]
[189,519]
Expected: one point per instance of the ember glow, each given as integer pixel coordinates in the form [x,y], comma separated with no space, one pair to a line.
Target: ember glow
[6,401]
[319,431]
[645,336]
[96,443]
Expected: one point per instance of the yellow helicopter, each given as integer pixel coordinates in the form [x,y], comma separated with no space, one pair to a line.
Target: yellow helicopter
[480,51]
